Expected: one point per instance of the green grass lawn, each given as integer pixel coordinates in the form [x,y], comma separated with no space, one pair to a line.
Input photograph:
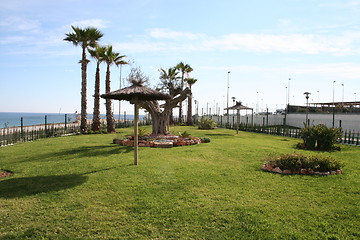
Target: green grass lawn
[85,187]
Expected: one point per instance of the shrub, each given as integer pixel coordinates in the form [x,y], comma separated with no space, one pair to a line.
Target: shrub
[141,132]
[320,137]
[184,134]
[296,162]
[206,123]
[205,140]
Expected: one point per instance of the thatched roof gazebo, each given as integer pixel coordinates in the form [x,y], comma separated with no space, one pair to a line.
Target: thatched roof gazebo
[136,93]
[238,106]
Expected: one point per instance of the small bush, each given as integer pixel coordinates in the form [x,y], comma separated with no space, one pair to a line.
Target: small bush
[206,123]
[205,140]
[296,162]
[319,137]
[184,134]
[141,132]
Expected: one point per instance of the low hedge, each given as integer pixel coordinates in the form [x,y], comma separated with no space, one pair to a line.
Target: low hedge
[299,163]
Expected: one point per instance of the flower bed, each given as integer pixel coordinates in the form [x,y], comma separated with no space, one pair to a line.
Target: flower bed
[301,164]
[5,173]
[160,141]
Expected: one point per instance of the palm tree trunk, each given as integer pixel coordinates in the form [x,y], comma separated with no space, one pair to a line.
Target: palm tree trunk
[109,113]
[189,112]
[96,115]
[83,123]
[180,103]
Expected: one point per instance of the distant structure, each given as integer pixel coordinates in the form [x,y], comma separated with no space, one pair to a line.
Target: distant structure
[327,107]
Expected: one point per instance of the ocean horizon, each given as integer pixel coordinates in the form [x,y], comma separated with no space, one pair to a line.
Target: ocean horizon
[13,119]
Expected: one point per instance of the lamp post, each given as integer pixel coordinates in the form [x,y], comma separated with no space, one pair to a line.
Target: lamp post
[333,118]
[307,107]
[288,100]
[227,103]
[257,103]
[120,88]
[196,107]
[342,93]
[318,96]
[286,104]
[355,96]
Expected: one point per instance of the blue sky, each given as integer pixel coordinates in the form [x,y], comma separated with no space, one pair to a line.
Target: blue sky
[262,43]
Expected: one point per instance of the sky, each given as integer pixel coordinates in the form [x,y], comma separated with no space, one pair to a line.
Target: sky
[262,43]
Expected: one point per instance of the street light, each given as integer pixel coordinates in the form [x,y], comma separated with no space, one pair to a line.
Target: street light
[307,106]
[196,107]
[342,93]
[318,96]
[227,103]
[257,103]
[289,92]
[333,120]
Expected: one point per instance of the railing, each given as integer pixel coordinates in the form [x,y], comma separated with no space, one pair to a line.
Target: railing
[349,137]
[10,136]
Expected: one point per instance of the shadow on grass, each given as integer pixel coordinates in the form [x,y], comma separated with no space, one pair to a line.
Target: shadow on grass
[94,151]
[85,151]
[220,134]
[27,186]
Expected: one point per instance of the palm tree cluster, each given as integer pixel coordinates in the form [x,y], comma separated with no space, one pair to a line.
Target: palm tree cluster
[172,81]
[88,38]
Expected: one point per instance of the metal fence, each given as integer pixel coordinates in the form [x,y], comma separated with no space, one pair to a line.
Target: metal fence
[9,136]
[350,137]
[13,135]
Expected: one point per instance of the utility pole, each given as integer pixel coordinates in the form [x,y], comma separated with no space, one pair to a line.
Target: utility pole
[227,102]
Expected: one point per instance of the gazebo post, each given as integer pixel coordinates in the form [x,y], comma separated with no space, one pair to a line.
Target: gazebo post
[237,121]
[136,93]
[136,132]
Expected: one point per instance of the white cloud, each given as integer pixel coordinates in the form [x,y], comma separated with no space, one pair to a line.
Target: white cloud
[162,33]
[344,70]
[293,43]
[20,24]
[97,23]
[310,44]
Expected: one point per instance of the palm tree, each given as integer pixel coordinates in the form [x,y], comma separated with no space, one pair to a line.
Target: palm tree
[110,57]
[184,69]
[87,37]
[169,83]
[190,82]
[97,53]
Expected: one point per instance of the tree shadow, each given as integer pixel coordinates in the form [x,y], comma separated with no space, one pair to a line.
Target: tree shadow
[85,151]
[94,151]
[220,134]
[27,186]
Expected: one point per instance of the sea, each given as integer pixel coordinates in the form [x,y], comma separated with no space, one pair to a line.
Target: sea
[13,119]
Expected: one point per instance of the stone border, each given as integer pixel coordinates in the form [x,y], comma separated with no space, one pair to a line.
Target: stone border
[165,143]
[4,173]
[274,169]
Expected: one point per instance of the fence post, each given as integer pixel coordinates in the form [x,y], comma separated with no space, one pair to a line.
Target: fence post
[65,122]
[22,128]
[45,126]
[353,137]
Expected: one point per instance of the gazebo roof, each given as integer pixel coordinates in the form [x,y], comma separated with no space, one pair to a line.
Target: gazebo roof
[238,106]
[138,92]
